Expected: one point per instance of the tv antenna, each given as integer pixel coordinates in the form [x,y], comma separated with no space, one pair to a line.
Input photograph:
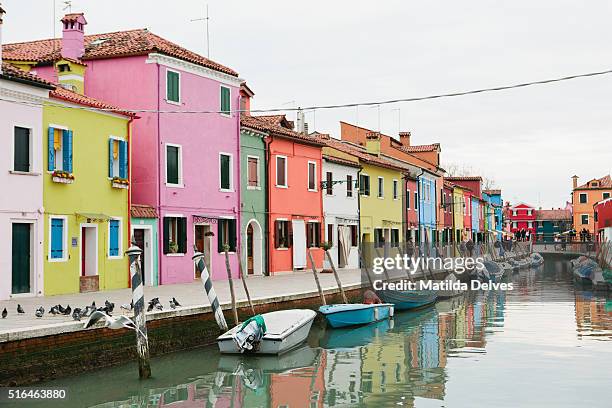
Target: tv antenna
[206,20]
[68,6]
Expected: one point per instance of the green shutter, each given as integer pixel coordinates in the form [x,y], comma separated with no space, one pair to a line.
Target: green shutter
[172,170]
[182,235]
[224,161]
[22,149]
[232,235]
[172,86]
[220,237]
[166,228]
[225,100]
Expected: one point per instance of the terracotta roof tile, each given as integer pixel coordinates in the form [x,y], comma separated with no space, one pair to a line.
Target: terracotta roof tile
[604,182]
[463,178]
[110,45]
[338,160]
[72,17]
[492,192]
[363,155]
[272,125]
[558,214]
[143,211]
[11,72]
[420,148]
[73,97]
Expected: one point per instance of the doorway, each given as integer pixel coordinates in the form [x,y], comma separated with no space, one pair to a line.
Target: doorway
[89,250]
[140,240]
[203,242]
[21,258]
[254,248]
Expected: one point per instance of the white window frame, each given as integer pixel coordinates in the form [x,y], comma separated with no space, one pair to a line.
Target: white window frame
[120,139]
[175,216]
[604,193]
[181,182]
[514,224]
[226,115]
[231,174]
[286,185]
[315,176]
[588,219]
[64,258]
[369,181]
[258,186]
[395,189]
[120,239]
[529,213]
[55,152]
[350,187]
[380,193]
[180,90]
[32,170]
[586,196]
[529,224]
[408,198]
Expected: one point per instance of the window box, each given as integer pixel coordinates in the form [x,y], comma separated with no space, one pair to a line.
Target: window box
[118,182]
[62,177]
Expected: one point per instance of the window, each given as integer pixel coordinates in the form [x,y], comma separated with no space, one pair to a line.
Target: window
[226,235]
[312,176]
[395,189]
[59,150]
[117,158]
[529,212]
[514,213]
[225,172]
[378,238]
[58,239]
[354,235]
[584,219]
[313,235]
[381,187]
[349,185]
[114,238]
[330,232]
[173,86]
[21,148]
[175,235]
[514,224]
[530,224]
[364,184]
[606,196]
[225,101]
[595,217]
[416,201]
[407,199]
[583,198]
[281,171]
[281,234]
[253,172]
[329,187]
[395,237]
[595,184]
[174,164]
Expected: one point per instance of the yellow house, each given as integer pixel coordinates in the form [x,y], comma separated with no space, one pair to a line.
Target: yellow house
[458,212]
[85,194]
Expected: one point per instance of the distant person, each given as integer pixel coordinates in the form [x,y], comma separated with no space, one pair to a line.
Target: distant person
[470,247]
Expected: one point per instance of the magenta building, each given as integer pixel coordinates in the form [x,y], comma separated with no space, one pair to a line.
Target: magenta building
[185,146]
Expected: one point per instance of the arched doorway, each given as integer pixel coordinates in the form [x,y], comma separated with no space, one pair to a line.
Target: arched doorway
[254,248]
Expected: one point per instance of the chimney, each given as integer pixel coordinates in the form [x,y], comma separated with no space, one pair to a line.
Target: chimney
[73,36]
[404,138]
[300,122]
[1,17]
[245,99]
[575,180]
[373,143]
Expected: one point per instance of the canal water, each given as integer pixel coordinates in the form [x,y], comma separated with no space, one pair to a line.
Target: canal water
[547,343]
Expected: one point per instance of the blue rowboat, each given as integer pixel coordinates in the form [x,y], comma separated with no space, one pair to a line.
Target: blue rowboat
[407,299]
[348,314]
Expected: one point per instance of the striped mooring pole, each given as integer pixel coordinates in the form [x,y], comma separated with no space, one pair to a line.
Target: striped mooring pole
[198,258]
[142,342]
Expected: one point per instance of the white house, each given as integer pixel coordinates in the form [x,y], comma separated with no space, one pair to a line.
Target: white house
[341,207]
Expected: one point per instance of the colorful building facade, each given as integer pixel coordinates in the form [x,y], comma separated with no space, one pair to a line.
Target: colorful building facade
[521,217]
[584,197]
[144,231]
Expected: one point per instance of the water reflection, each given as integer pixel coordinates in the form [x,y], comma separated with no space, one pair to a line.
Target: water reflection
[418,358]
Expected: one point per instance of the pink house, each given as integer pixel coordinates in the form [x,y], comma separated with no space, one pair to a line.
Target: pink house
[185,149]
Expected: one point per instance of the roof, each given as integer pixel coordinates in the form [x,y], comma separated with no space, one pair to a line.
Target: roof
[143,211]
[109,45]
[555,214]
[73,97]
[448,184]
[275,125]
[338,160]
[12,73]
[604,182]
[363,155]
[420,148]
[72,17]
[463,178]
[492,192]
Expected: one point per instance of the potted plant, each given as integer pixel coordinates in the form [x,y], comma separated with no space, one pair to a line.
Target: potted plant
[118,182]
[63,177]
[173,247]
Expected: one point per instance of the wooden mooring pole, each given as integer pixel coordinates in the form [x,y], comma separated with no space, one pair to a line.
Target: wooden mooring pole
[231,284]
[244,284]
[331,262]
[142,342]
[314,272]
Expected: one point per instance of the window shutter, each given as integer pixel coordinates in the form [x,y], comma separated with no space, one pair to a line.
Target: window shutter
[276,234]
[110,157]
[57,232]
[232,235]
[123,159]
[225,171]
[182,235]
[67,150]
[50,149]
[113,249]
[166,228]
[220,226]
[289,234]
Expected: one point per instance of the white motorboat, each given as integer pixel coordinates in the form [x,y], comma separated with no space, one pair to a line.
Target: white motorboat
[285,330]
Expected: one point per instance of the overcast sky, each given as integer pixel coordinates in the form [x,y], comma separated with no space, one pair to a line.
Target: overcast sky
[530,141]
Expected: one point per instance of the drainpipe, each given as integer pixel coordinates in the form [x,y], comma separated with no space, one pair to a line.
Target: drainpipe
[238,188]
[267,212]
[129,201]
[419,206]
[160,225]
[359,238]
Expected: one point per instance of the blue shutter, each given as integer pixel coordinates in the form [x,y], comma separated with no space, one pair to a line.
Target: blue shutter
[113,248]
[67,150]
[51,156]
[110,157]
[57,238]
[123,159]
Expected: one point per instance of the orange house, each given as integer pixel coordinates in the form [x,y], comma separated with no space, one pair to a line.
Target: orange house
[583,199]
[295,202]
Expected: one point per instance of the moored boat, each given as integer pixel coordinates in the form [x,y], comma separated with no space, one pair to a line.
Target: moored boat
[407,299]
[282,331]
[349,314]
[536,259]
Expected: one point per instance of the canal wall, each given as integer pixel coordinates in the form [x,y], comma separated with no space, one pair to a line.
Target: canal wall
[42,354]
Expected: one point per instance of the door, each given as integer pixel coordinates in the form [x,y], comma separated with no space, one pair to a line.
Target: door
[250,250]
[21,258]
[202,241]
[139,238]
[299,244]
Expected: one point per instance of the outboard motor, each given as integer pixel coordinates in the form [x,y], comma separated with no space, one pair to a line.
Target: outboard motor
[249,336]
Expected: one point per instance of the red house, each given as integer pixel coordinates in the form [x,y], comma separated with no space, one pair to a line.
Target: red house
[412,215]
[447,208]
[521,217]
[603,220]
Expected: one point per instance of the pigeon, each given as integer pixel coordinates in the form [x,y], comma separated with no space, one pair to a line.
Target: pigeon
[93,305]
[54,310]
[4,313]
[127,307]
[67,311]
[172,304]
[159,306]
[76,314]
[20,309]
[61,309]
[176,303]
[151,306]
[39,312]
[113,323]
[109,306]
[153,303]
[86,311]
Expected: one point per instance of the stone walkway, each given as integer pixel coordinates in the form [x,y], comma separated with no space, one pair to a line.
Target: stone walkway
[191,296]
